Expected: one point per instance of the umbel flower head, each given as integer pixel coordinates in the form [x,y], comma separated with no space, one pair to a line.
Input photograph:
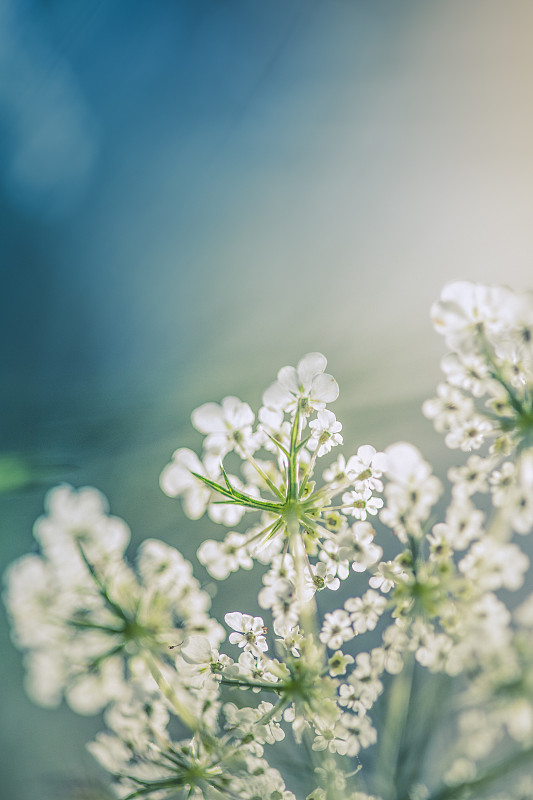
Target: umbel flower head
[487,396]
[83,615]
[279,459]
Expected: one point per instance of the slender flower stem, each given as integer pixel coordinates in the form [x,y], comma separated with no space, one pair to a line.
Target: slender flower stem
[309,470]
[393,732]
[292,478]
[273,488]
[486,778]
[178,704]
[271,687]
[268,715]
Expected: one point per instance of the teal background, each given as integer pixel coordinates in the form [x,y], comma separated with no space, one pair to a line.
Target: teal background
[195,193]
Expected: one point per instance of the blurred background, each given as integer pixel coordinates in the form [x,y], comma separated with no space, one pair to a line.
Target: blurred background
[194,193]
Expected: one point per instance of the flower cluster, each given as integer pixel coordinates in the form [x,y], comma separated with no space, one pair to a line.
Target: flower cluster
[189,716]
[278,462]
[83,616]
[487,395]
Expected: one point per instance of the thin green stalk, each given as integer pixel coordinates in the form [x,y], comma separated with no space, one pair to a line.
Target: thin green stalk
[273,488]
[179,705]
[309,470]
[498,771]
[268,715]
[241,498]
[388,765]
[292,477]
[101,586]
[271,687]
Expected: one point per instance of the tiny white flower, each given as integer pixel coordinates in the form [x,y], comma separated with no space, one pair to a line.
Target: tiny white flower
[365,611]
[359,504]
[365,468]
[325,432]
[469,434]
[308,381]
[228,426]
[177,480]
[336,629]
[357,546]
[338,662]
[249,631]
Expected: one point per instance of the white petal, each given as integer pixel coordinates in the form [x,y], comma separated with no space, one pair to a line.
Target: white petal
[309,367]
[235,620]
[196,650]
[325,389]
[208,418]
[288,378]
[277,396]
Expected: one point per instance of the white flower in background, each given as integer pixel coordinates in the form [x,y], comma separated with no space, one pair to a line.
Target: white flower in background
[359,504]
[492,565]
[85,616]
[221,558]
[290,636]
[360,733]
[467,311]
[227,426]
[469,434]
[245,724]
[337,628]
[449,406]
[364,685]
[433,653]
[463,523]
[164,566]
[229,514]
[281,598]
[77,525]
[198,650]
[249,631]
[308,381]
[386,575]
[256,668]
[325,433]
[177,480]
[357,546]
[411,492]
[335,474]
[472,477]
[468,372]
[366,610]
[330,555]
[366,468]
[501,482]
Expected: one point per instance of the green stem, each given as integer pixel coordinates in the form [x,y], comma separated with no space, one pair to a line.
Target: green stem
[238,497]
[268,715]
[498,771]
[388,767]
[101,586]
[272,687]
[180,706]
[273,488]
[292,477]
[309,470]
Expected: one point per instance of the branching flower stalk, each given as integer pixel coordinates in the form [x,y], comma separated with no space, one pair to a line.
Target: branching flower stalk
[428,647]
